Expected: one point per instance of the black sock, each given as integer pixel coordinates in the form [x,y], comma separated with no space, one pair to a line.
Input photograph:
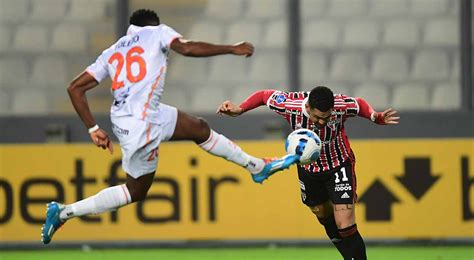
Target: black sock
[332,232]
[353,244]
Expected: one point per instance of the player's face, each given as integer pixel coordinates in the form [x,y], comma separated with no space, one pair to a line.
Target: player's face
[319,118]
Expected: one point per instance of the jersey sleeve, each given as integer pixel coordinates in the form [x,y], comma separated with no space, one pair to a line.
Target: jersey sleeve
[277,102]
[98,69]
[167,35]
[255,100]
[351,106]
[366,109]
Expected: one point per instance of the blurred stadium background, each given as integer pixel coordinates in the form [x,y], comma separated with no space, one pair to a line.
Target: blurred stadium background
[412,55]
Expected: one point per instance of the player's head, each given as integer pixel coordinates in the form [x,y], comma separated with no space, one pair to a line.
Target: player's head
[320,104]
[144,17]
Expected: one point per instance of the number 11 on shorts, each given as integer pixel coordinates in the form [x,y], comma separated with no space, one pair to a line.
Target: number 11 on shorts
[344,175]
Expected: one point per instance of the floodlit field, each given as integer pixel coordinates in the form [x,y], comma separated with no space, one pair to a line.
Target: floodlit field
[326,253]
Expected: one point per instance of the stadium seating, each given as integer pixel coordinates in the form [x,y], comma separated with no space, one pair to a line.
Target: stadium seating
[344,8]
[228,68]
[177,96]
[13,73]
[336,87]
[456,68]
[312,8]
[86,10]
[430,65]
[30,102]
[268,67]
[261,9]
[320,34]
[31,38]
[240,92]
[401,33]
[67,37]
[361,34]
[377,95]
[4,38]
[206,99]
[245,31]
[378,48]
[49,71]
[224,9]
[4,103]
[276,35]
[187,70]
[207,31]
[48,10]
[442,32]
[386,8]
[429,7]
[349,66]
[390,65]
[313,66]
[446,96]
[13,11]
[411,96]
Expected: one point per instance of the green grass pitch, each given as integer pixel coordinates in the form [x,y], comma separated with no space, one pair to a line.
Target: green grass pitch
[326,253]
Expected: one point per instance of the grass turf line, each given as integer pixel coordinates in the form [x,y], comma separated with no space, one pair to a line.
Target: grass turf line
[327,253]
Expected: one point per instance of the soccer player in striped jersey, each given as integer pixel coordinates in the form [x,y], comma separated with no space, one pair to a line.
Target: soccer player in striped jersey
[328,185]
[137,65]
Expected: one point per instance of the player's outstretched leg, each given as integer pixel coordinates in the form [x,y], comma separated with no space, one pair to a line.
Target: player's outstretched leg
[107,199]
[196,129]
[53,221]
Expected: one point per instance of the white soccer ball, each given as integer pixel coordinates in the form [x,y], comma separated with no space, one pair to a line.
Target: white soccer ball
[305,143]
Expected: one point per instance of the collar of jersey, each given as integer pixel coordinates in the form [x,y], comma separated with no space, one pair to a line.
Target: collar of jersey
[303,107]
[133,29]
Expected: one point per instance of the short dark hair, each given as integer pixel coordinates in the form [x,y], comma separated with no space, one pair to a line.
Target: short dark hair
[322,98]
[144,17]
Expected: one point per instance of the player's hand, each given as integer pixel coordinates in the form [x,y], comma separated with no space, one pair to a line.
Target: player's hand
[101,139]
[243,48]
[389,117]
[229,108]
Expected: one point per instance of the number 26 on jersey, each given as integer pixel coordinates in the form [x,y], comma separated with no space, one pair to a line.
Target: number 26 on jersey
[132,57]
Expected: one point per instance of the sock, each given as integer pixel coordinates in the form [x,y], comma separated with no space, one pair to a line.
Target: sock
[106,200]
[219,145]
[353,244]
[332,232]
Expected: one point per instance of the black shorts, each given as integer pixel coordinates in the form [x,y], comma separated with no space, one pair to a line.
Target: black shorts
[338,185]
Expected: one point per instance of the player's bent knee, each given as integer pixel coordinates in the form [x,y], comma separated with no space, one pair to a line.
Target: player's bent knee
[202,130]
[202,124]
[138,194]
[320,211]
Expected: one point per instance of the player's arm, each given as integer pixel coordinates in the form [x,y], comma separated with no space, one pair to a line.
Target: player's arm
[387,117]
[77,93]
[255,100]
[204,49]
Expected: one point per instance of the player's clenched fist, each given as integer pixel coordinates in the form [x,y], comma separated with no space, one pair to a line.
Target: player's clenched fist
[229,108]
[243,48]
[101,139]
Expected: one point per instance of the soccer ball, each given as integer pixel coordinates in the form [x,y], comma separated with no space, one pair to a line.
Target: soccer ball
[305,143]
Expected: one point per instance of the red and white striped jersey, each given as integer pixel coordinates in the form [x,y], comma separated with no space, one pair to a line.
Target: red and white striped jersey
[335,147]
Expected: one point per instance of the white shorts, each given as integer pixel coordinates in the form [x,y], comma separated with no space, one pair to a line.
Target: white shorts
[140,140]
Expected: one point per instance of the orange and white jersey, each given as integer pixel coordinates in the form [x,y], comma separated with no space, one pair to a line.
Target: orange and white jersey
[137,66]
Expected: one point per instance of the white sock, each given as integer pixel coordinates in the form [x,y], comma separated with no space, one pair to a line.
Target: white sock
[219,145]
[106,200]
